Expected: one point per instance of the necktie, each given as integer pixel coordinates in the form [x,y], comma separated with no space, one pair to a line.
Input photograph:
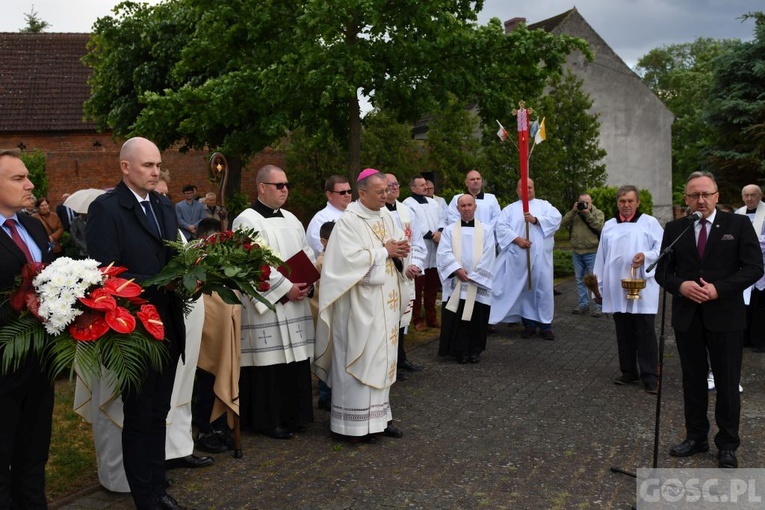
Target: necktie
[702,244]
[150,216]
[11,224]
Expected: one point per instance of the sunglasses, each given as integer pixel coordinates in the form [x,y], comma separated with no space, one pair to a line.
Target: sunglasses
[279,185]
[343,192]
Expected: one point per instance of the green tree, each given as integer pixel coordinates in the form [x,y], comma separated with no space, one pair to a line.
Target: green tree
[387,145]
[681,76]
[452,147]
[737,112]
[570,160]
[35,163]
[225,74]
[34,24]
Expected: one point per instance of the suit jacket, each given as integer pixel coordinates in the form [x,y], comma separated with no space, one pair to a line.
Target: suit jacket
[732,262]
[12,259]
[118,231]
[63,215]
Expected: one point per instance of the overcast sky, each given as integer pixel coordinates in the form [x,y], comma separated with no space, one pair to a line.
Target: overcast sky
[631,27]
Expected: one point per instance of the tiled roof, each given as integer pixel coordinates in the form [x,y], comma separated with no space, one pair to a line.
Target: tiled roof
[549,24]
[43,83]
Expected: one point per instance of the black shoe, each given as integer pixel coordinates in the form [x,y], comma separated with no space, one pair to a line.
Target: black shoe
[528,332]
[727,459]
[189,461]
[408,365]
[400,375]
[209,443]
[651,388]
[491,329]
[324,404]
[626,379]
[277,433]
[167,502]
[548,335]
[473,359]
[393,431]
[462,360]
[689,447]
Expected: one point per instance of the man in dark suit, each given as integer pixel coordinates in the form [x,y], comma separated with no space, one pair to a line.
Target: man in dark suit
[64,213]
[706,275]
[128,226]
[26,394]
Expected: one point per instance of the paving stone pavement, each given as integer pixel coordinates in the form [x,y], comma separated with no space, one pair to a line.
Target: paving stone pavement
[535,425]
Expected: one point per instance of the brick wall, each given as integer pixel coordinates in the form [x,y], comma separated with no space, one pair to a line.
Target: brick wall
[86,160]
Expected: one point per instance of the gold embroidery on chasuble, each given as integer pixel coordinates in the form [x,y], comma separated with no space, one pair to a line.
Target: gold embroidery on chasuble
[393,300]
[394,337]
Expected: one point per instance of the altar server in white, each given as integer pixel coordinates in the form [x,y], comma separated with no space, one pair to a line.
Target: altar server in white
[512,299]
[629,243]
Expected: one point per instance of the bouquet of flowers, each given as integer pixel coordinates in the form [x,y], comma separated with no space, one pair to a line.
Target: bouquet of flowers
[71,312]
[222,262]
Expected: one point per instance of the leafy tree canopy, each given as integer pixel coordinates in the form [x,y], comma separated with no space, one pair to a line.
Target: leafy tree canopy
[237,75]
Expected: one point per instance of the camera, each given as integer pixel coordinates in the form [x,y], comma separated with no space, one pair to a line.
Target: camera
[582,205]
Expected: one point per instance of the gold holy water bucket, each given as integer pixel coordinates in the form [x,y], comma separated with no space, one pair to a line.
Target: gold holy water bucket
[633,285]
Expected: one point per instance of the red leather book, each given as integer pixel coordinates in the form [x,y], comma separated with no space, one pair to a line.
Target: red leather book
[299,269]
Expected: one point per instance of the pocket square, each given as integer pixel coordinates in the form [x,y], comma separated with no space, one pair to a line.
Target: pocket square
[728,237]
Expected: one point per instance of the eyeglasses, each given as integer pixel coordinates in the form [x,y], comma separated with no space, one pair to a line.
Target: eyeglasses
[343,192]
[279,185]
[394,185]
[696,196]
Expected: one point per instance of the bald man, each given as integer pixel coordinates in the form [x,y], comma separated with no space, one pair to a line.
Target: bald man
[487,208]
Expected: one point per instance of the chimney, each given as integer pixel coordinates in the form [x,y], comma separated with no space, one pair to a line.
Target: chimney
[511,24]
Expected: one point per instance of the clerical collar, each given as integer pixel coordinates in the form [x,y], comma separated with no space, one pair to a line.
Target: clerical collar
[470,223]
[265,211]
[751,211]
[391,207]
[479,196]
[420,198]
[631,219]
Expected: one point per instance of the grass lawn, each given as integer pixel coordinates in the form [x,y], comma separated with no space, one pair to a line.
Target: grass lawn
[72,462]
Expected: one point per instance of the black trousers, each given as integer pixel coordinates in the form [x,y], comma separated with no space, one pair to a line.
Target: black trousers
[638,348]
[755,320]
[724,350]
[143,434]
[26,400]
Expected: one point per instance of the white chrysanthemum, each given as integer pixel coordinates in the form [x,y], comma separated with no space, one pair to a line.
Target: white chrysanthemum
[59,285]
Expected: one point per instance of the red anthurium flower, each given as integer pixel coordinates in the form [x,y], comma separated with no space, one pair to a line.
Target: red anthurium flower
[99,299]
[88,326]
[150,319]
[122,288]
[111,270]
[120,320]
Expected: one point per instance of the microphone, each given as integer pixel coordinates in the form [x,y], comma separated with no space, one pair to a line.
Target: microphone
[693,217]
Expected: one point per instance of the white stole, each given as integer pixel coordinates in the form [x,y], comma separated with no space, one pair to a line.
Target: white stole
[454,299]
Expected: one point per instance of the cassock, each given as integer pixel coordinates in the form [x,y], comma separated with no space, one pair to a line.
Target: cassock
[486,209]
[360,309]
[512,300]
[465,311]
[275,382]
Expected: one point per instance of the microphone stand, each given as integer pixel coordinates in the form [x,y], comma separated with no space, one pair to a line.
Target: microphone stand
[665,253]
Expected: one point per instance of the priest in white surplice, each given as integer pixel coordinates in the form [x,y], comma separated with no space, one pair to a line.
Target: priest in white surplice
[465,265]
[628,243]
[339,194]
[360,308]
[512,299]
[275,383]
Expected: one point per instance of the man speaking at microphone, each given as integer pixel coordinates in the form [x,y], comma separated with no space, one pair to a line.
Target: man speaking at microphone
[706,274]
